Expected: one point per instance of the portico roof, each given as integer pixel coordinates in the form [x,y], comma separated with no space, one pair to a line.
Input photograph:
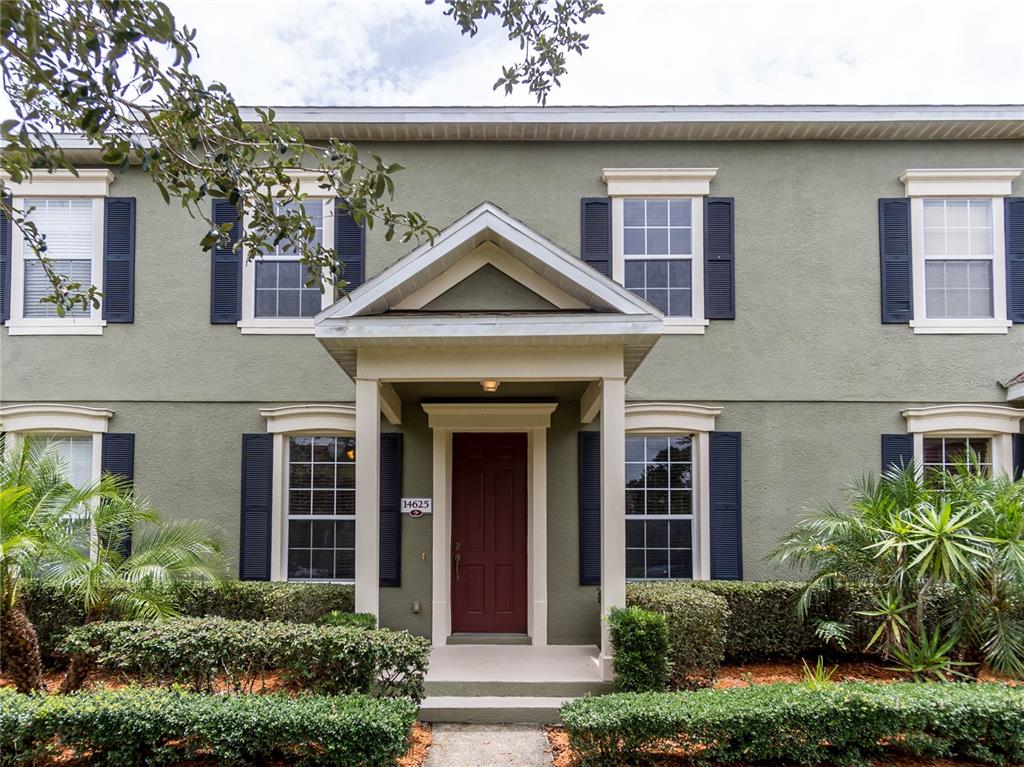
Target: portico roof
[588,309]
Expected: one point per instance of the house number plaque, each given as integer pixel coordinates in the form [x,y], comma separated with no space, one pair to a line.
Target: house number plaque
[417,507]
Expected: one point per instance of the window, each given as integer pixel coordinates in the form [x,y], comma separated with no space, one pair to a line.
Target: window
[74,454]
[657,248]
[958,248]
[959,253]
[321,508]
[659,507]
[282,288]
[943,453]
[278,294]
[69,227]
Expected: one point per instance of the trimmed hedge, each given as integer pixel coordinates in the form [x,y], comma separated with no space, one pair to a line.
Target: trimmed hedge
[133,726]
[53,612]
[353,620]
[697,628]
[846,723]
[639,649]
[196,651]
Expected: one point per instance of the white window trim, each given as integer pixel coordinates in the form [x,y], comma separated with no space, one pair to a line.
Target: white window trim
[291,421]
[52,419]
[984,183]
[996,422]
[250,324]
[89,183]
[698,421]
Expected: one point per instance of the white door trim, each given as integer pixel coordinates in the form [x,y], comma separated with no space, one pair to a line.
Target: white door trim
[532,419]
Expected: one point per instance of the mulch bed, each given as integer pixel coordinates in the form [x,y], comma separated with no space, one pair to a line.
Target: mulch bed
[771,673]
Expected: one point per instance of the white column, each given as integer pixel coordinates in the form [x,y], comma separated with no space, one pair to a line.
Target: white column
[367,495]
[613,508]
[440,615]
[538,528]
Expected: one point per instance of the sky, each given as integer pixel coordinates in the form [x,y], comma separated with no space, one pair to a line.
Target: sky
[404,52]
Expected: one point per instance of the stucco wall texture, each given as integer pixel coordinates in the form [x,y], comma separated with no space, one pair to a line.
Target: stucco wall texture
[806,372]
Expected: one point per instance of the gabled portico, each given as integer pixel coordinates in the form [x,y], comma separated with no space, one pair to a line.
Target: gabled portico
[563,324]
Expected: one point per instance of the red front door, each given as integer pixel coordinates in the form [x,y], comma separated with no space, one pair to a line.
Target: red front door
[489,533]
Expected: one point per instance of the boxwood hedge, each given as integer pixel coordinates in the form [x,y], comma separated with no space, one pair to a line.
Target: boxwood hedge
[845,723]
[133,726]
[53,612]
[198,651]
[639,649]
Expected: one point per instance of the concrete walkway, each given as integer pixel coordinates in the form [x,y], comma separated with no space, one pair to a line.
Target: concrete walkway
[489,745]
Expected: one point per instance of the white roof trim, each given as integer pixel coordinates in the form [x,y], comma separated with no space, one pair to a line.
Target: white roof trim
[1015,392]
[964,419]
[54,418]
[310,419]
[486,222]
[88,182]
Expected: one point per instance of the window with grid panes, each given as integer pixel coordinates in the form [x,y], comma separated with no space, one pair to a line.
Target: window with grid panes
[281,279]
[321,508]
[942,454]
[69,226]
[659,507]
[959,258]
[657,248]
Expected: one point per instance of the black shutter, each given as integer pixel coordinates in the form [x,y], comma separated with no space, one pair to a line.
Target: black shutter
[226,274]
[349,246]
[257,471]
[590,507]
[897,451]
[1014,208]
[119,259]
[5,262]
[726,507]
[390,509]
[719,258]
[118,458]
[1018,456]
[894,249]
[596,233]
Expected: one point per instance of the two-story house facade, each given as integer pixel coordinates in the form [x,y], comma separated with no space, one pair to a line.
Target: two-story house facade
[643,341]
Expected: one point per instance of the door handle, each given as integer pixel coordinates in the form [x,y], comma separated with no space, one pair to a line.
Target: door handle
[458,559]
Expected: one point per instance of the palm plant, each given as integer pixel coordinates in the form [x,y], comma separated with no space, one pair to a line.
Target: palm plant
[74,539]
[911,539]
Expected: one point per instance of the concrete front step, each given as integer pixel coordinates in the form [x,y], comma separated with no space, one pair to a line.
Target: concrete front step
[492,709]
[555,688]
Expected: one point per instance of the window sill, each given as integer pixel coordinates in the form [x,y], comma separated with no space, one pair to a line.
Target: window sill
[285,327]
[56,327]
[684,326]
[956,327]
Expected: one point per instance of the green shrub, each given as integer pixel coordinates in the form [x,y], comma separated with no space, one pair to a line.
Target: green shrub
[845,723]
[640,649]
[54,612]
[133,726]
[196,651]
[697,623]
[353,620]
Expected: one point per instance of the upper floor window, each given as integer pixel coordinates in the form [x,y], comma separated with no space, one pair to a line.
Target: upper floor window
[69,212]
[658,239]
[959,256]
[279,294]
[657,248]
[957,249]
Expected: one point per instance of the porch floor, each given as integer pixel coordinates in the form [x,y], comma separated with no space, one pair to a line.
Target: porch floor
[514,663]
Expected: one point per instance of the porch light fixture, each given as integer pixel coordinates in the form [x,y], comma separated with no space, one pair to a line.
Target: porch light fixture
[490,385]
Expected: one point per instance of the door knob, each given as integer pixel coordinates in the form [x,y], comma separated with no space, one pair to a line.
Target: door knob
[458,559]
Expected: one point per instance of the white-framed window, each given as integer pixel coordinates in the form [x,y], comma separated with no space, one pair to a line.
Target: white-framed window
[943,435]
[660,507]
[313,492]
[658,239]
[68,210]
[276,294]
[321,508]
[958,249]
[72,433]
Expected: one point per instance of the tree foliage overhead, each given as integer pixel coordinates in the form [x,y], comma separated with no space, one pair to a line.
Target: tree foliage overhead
[119,73]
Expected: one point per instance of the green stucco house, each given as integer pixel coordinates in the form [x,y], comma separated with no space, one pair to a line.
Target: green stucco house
[644,340]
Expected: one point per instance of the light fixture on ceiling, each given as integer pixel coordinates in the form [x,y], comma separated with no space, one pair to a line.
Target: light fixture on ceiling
[490,385]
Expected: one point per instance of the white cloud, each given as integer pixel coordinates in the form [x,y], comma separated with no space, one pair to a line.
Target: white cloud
[642,52]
